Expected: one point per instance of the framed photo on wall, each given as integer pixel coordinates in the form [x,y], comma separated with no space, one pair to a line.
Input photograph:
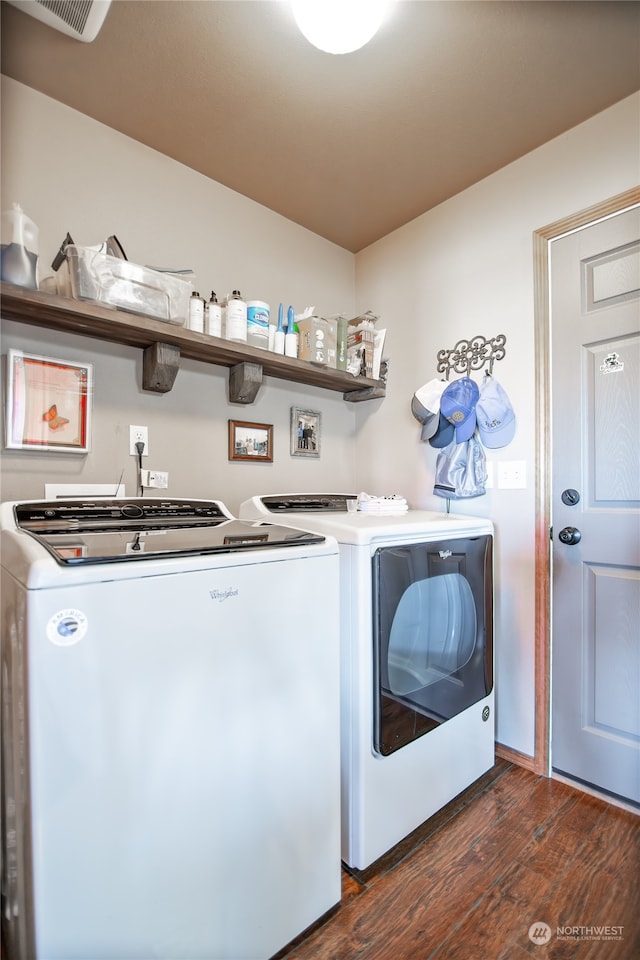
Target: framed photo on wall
[305,432]
[250,441]
[48,404]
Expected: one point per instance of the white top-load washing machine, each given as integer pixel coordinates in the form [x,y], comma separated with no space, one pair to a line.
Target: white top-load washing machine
[170,734]
[417,702]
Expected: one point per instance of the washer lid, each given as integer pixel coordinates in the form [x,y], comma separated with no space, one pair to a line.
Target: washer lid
[79,532]
[230,536]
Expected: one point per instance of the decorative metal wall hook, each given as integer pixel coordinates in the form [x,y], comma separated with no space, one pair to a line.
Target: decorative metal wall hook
[474,354]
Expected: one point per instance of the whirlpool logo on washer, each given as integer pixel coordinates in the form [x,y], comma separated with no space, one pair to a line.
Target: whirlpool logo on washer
[67,627]
[221,595]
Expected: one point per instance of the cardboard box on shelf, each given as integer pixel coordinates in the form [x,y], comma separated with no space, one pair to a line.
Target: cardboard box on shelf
[317,341]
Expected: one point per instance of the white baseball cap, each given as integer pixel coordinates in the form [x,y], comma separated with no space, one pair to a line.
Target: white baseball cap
[425,406]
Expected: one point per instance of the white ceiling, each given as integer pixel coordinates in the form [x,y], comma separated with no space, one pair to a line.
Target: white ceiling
[351,146]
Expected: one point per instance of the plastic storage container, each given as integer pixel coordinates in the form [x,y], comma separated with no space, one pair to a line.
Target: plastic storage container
[127,286]
[19,250]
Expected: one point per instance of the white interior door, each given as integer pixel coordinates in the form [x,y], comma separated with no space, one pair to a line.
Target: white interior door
[595,336]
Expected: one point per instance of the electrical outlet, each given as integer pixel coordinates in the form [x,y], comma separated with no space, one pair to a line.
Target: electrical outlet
[137,435]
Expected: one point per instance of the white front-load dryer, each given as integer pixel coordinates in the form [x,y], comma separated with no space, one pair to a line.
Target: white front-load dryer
[417,698]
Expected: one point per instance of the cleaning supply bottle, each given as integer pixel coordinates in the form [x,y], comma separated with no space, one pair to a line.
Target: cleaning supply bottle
[291,337]
[196,312]
[213,317]
[278,340]
[258,324]
[19,251]
[236,318]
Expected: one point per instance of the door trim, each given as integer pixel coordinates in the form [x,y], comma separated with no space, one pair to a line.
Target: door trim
[542,291]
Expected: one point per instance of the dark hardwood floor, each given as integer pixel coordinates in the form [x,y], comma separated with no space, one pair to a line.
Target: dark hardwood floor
[512,851]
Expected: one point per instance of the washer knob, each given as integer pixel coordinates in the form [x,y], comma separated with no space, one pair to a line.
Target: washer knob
[131,510]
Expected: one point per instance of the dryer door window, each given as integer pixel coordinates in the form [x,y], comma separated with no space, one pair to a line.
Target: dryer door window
[432,635]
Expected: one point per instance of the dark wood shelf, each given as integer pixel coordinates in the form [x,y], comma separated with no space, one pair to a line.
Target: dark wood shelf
[164,344]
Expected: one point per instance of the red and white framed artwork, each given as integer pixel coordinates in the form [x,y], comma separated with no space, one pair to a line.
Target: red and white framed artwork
[48,404]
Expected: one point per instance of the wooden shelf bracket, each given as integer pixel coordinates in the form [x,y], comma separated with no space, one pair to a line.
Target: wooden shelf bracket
[367,393]
[245,379]
[160,365]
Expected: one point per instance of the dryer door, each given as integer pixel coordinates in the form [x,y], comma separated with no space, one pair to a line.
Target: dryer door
[433,635]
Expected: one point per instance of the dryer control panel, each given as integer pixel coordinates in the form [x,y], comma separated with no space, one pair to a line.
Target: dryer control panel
[308,502]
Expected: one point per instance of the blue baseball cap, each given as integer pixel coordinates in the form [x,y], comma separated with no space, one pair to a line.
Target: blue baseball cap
[458,405]
[494,414]
[444,435]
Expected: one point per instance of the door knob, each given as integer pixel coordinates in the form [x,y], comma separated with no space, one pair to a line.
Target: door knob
[570,536]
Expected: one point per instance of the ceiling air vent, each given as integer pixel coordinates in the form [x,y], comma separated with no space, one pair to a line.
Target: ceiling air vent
[81,19]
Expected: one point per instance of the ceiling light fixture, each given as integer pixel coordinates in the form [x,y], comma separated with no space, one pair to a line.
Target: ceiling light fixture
[339,26]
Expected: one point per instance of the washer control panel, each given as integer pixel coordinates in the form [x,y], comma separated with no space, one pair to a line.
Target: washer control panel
[54,515]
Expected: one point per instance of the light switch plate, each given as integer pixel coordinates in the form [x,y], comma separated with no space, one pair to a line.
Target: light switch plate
[512,475]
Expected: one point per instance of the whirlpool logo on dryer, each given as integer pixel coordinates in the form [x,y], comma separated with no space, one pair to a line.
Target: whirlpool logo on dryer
[221,595]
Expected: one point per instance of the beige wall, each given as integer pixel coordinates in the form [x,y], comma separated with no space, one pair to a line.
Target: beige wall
[465,269]
[70,173]
[462,269]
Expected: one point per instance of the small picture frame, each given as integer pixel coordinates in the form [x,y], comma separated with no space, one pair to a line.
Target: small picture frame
[48,404]
[250,441]
[305,433]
